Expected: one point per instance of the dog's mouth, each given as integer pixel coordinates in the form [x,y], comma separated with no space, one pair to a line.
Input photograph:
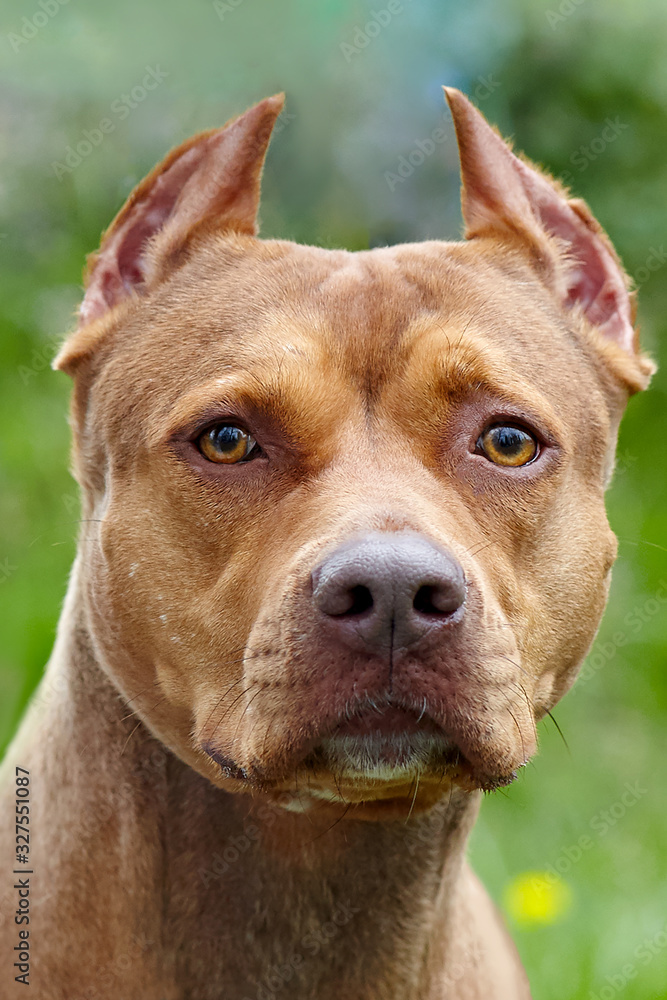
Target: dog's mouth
[384,758]
[386,743]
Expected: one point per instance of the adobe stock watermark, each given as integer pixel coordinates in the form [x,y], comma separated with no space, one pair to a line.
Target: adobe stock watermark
[282,121]
[600,824]
[109,977]
[278,976]
[565,10]
[120,108]
[407,163]
[234,848]
[425,831]
[423,148]
[7,569]
[41,359]
[624,461]
[224,7]
[644,954]
[582,157]
[239,844]
[634,621]
[33,24]
[657,257]
[364,34]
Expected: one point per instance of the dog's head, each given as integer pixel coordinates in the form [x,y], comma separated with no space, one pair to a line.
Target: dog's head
[345,533]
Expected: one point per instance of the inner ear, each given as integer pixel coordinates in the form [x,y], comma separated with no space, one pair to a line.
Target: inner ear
[147,219]
[593,276]
[211,181]
[504,194]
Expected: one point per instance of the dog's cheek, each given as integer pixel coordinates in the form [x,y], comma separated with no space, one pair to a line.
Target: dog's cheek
[549,571]
[175,579]
[562,680]
[573,586]
[137,596]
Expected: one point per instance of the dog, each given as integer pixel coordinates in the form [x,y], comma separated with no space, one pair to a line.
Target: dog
[343,544]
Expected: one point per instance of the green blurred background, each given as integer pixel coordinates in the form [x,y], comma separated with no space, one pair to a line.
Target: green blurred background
[363,92]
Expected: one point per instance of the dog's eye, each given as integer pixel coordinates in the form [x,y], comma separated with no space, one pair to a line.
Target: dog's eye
[226,444]
[506,445]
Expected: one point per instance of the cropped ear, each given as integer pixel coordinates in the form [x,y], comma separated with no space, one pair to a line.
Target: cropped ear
[210,182]
[505,195]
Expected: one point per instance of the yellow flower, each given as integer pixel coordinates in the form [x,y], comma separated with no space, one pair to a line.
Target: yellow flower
[534,898]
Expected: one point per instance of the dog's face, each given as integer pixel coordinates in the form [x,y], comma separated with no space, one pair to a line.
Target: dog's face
[349,539]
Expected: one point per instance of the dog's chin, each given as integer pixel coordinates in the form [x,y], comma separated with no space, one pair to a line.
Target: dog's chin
[376,774]
[386,765]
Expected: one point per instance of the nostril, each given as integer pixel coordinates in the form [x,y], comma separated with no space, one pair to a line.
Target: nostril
[361,600]
[423,601]
[431,600]
[340,599]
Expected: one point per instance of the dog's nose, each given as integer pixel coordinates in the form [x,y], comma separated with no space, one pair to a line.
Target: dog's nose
[388,590]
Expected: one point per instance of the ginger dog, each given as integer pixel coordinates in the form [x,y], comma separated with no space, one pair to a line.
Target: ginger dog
[343,543]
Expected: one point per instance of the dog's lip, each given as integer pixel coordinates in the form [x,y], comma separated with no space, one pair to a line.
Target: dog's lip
[398,736]
[385,722]
[392,734]
[383,741]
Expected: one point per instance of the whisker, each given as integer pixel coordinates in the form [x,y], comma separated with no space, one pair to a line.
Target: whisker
[257,692]
[514,663]
[642,541]
[139,723]
[254,654]
[414,799]
[472,552]
[130,737]
[298,793]
[519,687]
[133,711]
[338,789]
[230,708]
[523,748]
[335,823]
[239,680]
[560,731]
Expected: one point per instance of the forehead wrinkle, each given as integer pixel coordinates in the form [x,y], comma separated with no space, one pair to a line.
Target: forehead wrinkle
[359,303]
[452,359]
[362,309]
[285,392]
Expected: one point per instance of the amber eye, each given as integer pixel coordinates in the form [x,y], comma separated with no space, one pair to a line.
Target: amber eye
[226,444]
[506,445]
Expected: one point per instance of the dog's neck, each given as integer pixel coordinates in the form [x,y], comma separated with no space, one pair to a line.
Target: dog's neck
[229,889]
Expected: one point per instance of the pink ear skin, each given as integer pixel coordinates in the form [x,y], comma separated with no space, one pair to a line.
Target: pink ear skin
[212,181]
[505,195]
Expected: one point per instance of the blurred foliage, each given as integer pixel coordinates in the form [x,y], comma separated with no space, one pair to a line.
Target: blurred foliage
[550,75]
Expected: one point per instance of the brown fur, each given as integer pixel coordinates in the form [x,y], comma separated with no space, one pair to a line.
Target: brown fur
[184,843]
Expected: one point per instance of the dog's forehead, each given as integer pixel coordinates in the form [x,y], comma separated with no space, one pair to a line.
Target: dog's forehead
[367,310]
[274,306]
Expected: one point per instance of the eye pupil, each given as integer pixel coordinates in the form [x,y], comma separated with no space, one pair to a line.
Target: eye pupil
[506,445]
[226,438]
[226,444]
[510,440]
